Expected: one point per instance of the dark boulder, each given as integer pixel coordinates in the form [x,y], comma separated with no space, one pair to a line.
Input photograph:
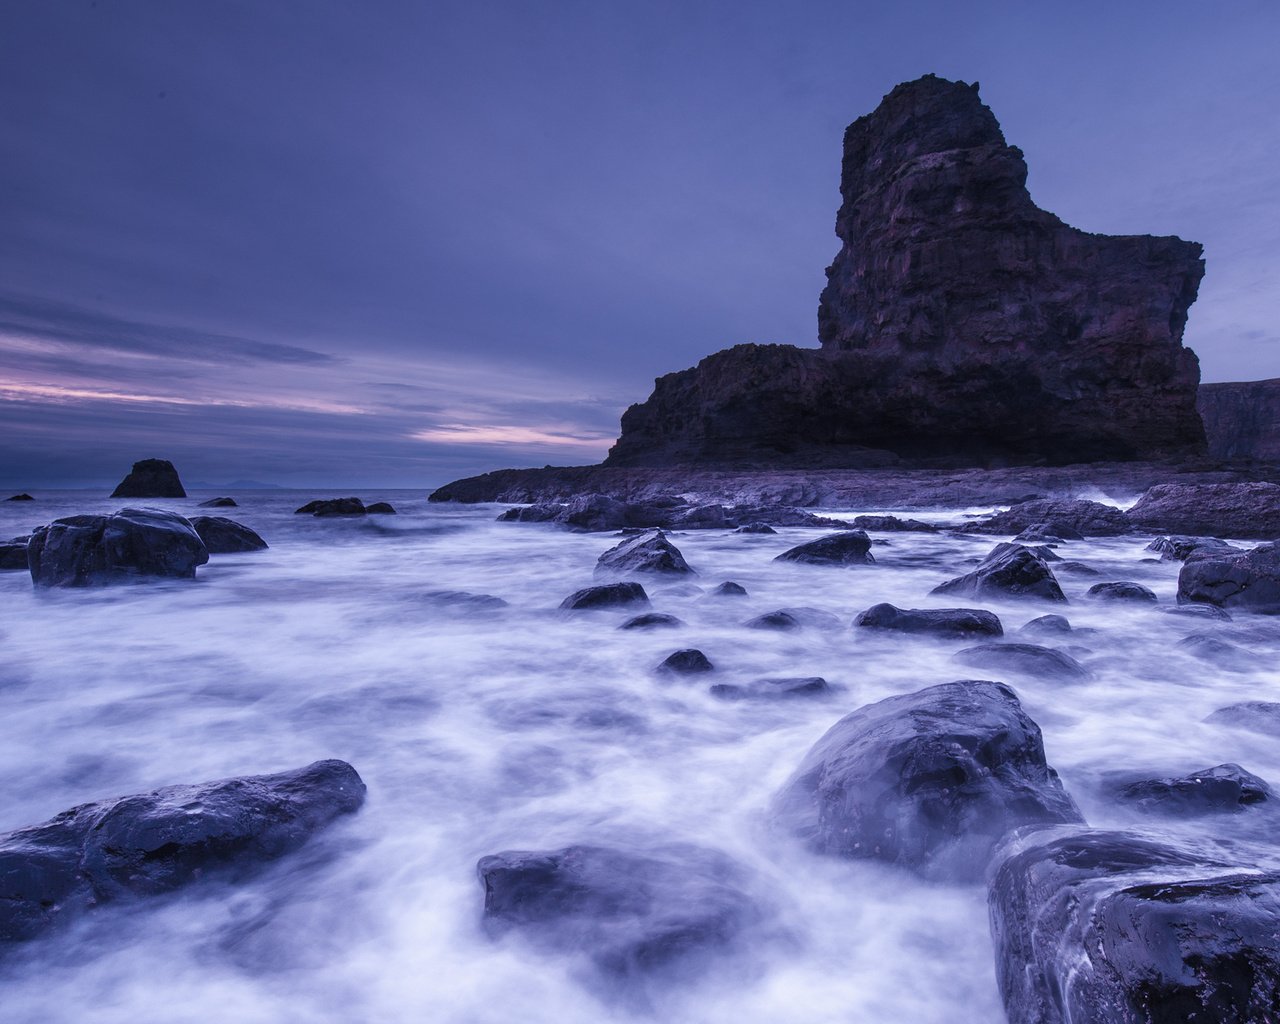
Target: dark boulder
[930,780]
[327,507]
[1245,510]
[944,622]
[1025,659]
[13,554]
[224,536]
[154,842]
[773,689]
[611,595]
[649,553]
[892,524]
[652,620]
[773,620]
[20,497]
[785,515]
[689,661]
[380,508]
[1048,532]
[755,528]
[1095,927]
[852,547]
[1226,787]
[150,478]
[1122,590]
[530,514]
[218,503]
[1072,568]
[729,589]
[1175,548]
[82,551]
[630,914]
[593,512]
[1255,715]
[1078,517]
[1047,625]
[1249,581]
[1009,570]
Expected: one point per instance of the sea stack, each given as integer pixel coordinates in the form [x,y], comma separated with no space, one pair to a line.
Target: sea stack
[151,478]
[960,324]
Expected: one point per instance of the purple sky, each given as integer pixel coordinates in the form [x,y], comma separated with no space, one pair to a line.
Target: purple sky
[352,243]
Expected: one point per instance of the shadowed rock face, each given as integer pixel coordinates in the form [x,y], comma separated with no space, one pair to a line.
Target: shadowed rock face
[960,323]
[151,478]
[1242,419]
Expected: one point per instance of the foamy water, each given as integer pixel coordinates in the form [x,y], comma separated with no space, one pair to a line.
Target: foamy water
[522,728]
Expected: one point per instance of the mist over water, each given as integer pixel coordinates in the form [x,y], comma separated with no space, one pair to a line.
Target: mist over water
[482,729]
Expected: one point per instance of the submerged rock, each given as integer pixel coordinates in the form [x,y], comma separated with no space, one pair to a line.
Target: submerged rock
[773,689]
[1096,927]
[729,589]
[326,507]
[150,478]
[930,780]
[1122,590]
[224,536]
[1225,787]
[13,554]
[20,497]
[218,503]
[82,551]
[1255,715]
[652,620]
[1009,570]
[944,622]
[689,661]
[1072,568]
[610,595]
[1026,659]
[1246,510]
[154,842]
[853,547]
[755,528]
[380,508]
[1249,581]
[773,620]
[649,553]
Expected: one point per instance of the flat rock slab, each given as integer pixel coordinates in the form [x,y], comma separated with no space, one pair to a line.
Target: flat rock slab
[134,543]
[787,688]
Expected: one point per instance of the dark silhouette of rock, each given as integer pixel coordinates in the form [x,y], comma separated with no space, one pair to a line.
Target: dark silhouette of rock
[892,524]
[852,547]
[155,842]
[773,689]
[1249,581]
[1225,787]
[21,497]
[218,503]
[1009,570]
[652,620]
[648,553]
[1177,548]
[1122,590]
[13,554]
[380,508]
[82,551]
[1255,715]
[959,322]
[1072,568]
[755,528]
[1245,510]
[773,620]
[689,661]
[1242,419]
[1047,625]
[151,478]
[1097,927]
[225,536]
[1052,532]
[1024,659]
[729,589]
[944,622]
[1076,518]
[930,780]
[611,595]
[327,507]
[632,914]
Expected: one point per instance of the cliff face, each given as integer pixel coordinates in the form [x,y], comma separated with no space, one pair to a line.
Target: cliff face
[1242,420]
[960,323]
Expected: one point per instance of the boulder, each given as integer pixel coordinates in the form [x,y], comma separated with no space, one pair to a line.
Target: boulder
[1198,611]
[892,524]
[1225,787]
[729,589]
[327,507]
[596,512]
[652,620]
[1009,570]
[1047,625]
[630,914]
[1249,581]
[150,478]
[82,551]
[773,689]
[610,595]
[813,618]
[1049,532]
[218,503]
[13,554]
[531,514]
[755,528]
[1097,927]
[1072,568]
[852,547]
[648,553]
[1255,715]
[943,622]
[380,508]
[1122,590]
[20,497]
[155,842]
[689,661]
[1176,548]
[1077,518]
[224,536]
[929,780]
[1245,510]
[1025,659]
[773,620]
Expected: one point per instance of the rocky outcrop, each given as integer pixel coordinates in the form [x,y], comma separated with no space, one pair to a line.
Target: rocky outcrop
[1245,509]
[1061,519]
[960,323]
[151,478]
[1242,419]
[82,551]
[1249,581]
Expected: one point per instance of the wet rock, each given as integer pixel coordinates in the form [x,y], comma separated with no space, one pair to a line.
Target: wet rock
[380,508]
[13,554]
[1177,548]
[155,842]
[1072,568]
[531,514]
[1048,532]
[652,620]
[150,478]
[755,528]
[1095,927]
[702,517]
[892,524]
[20,497]
[773,689]
[784,515]
[328,507]
[930,780]
[944,622]
[1255,715]
[1248,581]
[218,503]
[813,618]
[773,620]
[630,914]
[689,661]
[852,547]
[1122,590]
[82,551]
[1047,625]
[1199,611]
[611,595]
[729,589]
[1226,787]
[1224,655]
[596,512]
[1026,659]
[1246,510]
[1078,517]
[1009,570]
[224,536]
[651,553]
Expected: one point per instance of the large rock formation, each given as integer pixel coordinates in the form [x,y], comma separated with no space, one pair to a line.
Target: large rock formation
[1242,419]
[960,324]
[150,478]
